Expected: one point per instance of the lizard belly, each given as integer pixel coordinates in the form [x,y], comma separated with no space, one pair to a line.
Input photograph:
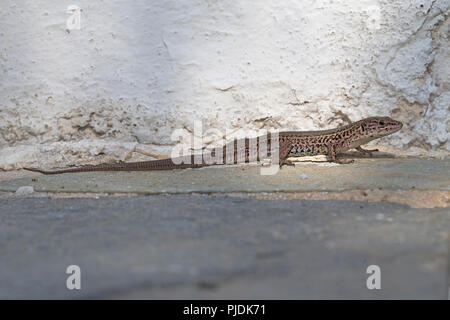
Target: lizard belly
[358,143]
[305,152]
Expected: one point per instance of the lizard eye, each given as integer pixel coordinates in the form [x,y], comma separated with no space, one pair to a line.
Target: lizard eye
[382,123]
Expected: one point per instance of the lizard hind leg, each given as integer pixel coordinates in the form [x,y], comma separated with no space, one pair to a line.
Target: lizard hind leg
[284,153]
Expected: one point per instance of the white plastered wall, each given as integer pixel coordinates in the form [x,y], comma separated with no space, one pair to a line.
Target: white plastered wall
[138,70]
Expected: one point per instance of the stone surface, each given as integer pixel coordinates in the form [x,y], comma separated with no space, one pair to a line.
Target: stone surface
[200,246]
[393,174]
[414,198]
[133,74]
[253,243]
[25,190]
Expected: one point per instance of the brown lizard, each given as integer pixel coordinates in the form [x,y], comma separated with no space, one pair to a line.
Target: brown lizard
[291,143]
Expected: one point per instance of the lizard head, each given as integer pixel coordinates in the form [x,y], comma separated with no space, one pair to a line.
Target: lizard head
[377,127]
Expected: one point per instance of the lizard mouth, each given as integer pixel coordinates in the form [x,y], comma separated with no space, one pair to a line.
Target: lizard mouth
[394,126]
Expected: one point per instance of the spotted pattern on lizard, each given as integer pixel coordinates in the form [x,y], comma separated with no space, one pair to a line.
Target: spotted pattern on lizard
[290,143]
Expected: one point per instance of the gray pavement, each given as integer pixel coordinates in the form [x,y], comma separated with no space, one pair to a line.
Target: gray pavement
[184,237]
[206,246]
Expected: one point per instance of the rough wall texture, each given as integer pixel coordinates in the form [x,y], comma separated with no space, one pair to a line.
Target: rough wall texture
[136,71]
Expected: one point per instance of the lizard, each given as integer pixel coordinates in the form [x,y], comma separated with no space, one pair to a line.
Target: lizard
[290,143]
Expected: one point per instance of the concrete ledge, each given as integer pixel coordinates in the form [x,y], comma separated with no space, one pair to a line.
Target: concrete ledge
[392,174]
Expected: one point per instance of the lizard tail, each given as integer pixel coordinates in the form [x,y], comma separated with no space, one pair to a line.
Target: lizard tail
[79,169]
[163,164]
[39,170]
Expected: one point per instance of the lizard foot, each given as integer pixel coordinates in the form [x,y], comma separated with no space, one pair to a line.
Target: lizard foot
[266,162]
[344,161]
[287,163]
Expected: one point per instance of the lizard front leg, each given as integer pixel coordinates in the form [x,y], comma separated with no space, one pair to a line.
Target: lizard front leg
[365,151]
[332,154]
